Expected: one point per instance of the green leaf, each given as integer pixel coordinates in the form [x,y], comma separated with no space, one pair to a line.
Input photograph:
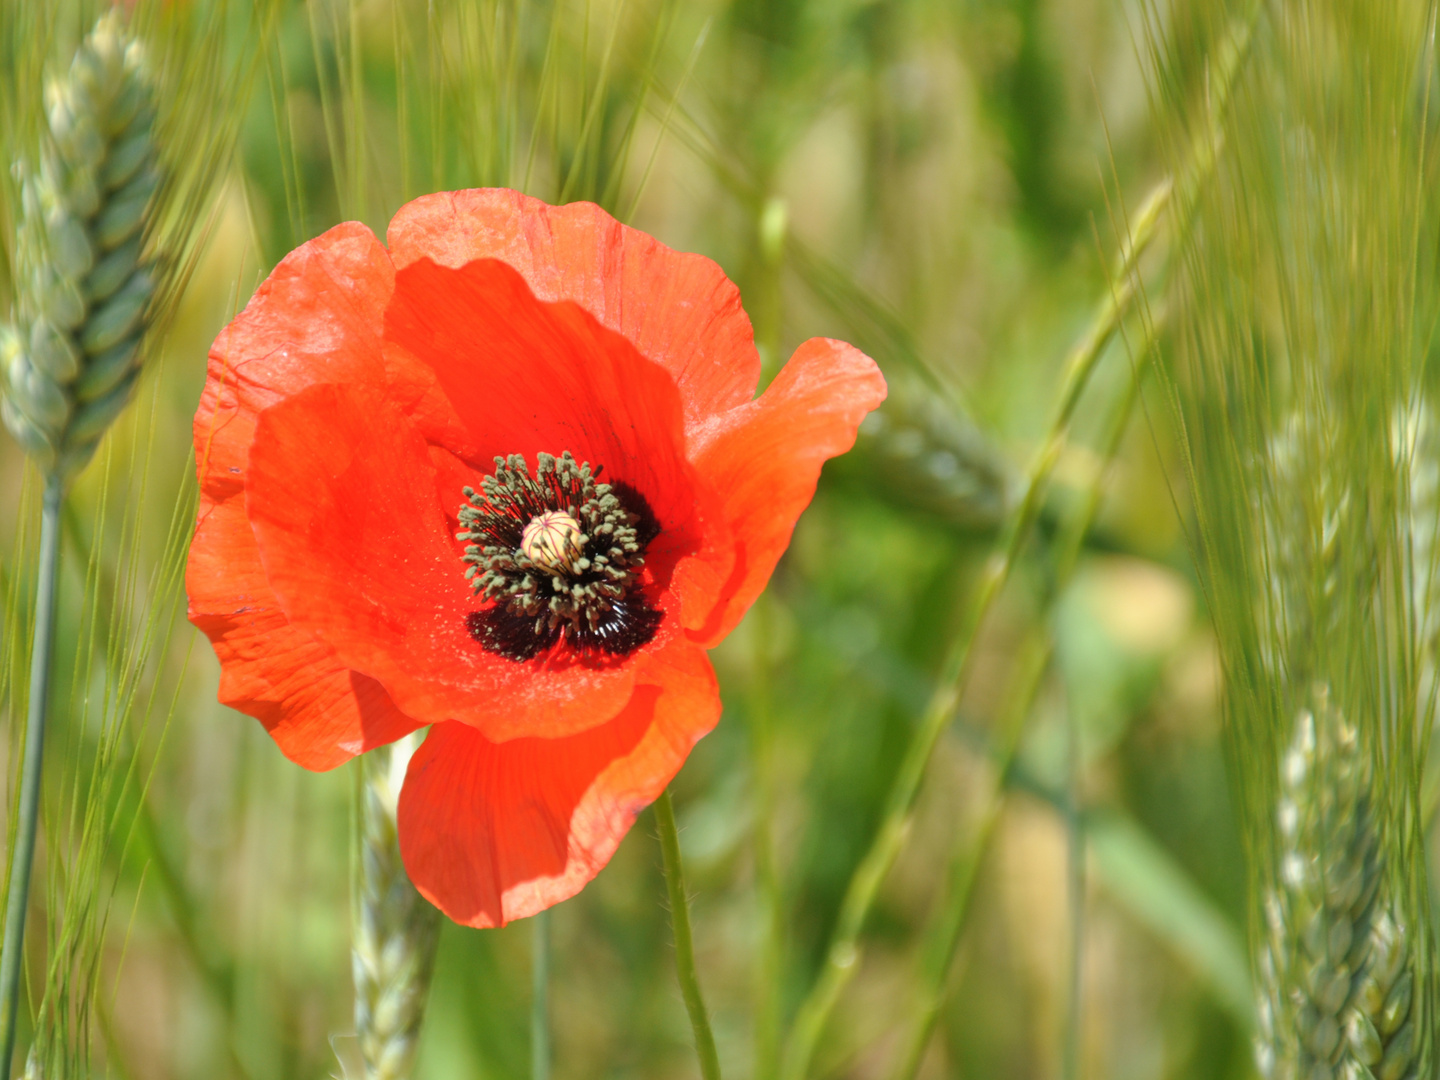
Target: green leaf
[1144,879]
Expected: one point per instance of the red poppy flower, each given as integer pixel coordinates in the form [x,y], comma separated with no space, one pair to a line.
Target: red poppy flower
[505,479]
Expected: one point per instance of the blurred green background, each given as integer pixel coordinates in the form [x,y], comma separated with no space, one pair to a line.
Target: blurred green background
[941,183]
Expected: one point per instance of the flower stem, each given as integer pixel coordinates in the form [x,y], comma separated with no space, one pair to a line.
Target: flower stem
[684,946]
[540,998]
[23,855]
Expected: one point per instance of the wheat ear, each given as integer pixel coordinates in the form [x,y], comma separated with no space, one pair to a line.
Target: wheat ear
[84,283]
[84,289]
[922,452]
[1336,970]
[395,927]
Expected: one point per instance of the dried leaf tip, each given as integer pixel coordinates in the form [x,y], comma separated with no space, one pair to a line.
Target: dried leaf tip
[84,281]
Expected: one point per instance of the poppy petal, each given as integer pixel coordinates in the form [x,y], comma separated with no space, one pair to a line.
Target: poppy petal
[317,318]
[341,496]
[497,831]
[525,376]
[679,310]
[319,712]
[764,459]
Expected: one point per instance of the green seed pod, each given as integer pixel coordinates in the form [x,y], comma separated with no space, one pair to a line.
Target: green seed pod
[1336,976]
[58,299]
[92,77]
[919,453]
[1365,1040]
[38,397]
[129,105]
[34,441]
[1399,1055]
[79,142]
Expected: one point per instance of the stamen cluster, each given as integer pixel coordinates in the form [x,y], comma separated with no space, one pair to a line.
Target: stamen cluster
[587,590]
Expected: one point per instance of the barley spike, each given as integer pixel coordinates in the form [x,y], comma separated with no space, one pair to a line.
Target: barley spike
[85,284]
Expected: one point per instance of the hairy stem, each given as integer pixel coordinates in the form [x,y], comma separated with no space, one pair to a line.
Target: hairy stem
[23,857]
[684,945]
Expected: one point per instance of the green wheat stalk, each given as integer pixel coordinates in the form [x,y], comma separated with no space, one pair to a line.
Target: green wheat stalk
[84,287]
[1307,299]
[841,962]
[95,818]
[951,916]
[395,928]
[843,953]
[105,238]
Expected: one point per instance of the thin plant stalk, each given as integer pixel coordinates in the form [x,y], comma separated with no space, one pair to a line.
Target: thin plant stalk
[396,930]
[684,945]
[1034,662]
[22,860]
[843,954]
[1075,897]
[540,997]
[1030,670]
[841,960]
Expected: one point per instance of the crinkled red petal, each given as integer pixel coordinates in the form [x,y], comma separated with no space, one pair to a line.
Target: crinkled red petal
[319,712]
[345,404]
[497,831]
[763,460]
[677,309]
[317,316]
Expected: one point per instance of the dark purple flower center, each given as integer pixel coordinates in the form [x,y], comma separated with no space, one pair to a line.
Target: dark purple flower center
[560,555]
